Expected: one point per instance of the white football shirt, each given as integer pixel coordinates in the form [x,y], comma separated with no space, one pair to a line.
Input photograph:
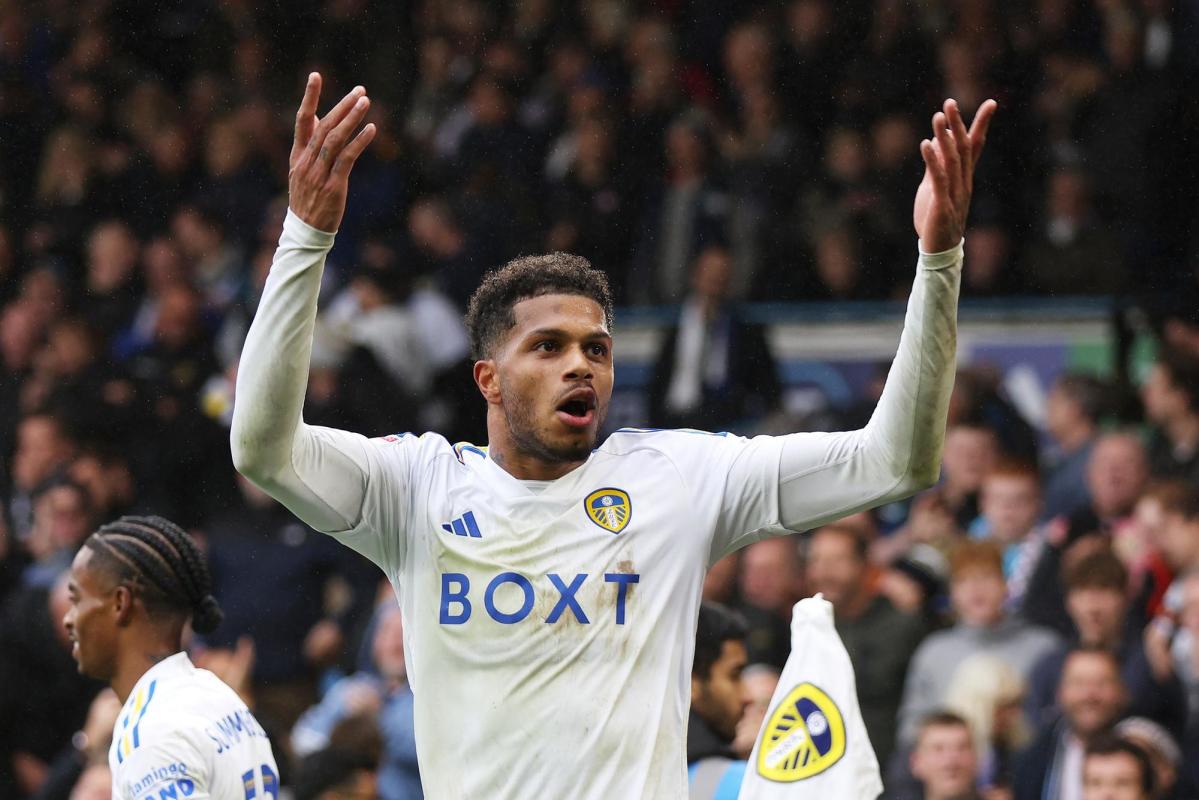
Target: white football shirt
[549,628]
[183,733]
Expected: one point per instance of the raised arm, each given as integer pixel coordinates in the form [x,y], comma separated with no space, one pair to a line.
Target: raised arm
[319,473]
[825,476]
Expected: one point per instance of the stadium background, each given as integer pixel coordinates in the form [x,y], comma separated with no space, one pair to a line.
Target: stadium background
[768,147]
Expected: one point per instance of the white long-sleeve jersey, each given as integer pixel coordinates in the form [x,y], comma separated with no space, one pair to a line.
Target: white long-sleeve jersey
[182,733]
[550,632]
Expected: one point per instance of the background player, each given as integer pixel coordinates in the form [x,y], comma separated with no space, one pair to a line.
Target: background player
[134,584]
[551,588]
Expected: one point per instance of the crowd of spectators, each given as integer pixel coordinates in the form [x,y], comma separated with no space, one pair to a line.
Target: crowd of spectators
[703,153]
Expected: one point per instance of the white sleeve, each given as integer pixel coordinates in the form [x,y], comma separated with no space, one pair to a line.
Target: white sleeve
[321,474]
[826,476]
[771,486]
[171,765]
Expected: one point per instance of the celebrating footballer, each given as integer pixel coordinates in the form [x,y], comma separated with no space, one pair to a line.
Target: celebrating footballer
[550,581]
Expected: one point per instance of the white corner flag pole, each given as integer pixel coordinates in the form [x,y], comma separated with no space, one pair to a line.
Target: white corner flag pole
[813,743]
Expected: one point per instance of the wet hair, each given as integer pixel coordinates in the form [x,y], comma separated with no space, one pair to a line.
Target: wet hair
[717,625]
[490,312]
[1111,745]
[162,564]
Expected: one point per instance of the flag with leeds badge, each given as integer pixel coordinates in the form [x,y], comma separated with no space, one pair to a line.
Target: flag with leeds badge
[813,743]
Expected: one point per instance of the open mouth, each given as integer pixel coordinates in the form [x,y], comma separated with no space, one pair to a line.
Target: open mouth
[577,410]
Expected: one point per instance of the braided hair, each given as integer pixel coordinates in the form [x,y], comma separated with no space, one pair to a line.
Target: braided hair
[163,565]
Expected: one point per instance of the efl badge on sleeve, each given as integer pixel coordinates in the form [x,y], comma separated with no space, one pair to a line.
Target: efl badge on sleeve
[804,737]
[611,509]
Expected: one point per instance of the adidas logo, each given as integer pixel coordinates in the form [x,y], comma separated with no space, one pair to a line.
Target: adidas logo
[464,525]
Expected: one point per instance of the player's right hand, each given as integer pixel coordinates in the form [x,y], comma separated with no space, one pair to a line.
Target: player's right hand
[323,153]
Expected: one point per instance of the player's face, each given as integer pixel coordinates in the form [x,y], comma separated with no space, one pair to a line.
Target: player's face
[1114,776]
[555,376]
[721,699]
[90,620]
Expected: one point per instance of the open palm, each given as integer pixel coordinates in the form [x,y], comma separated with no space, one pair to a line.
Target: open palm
[943,199]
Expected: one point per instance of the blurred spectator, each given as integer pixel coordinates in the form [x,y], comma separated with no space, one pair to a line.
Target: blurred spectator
[970,452]
[216,264]
[1010,502]
[718,701]
[40,687]
[988,694]
[44,448]
[1171,398]
[759,682]
[336,774]
[880,640]
[1116,477]
[916,583]
[1116,769]
[1098,603]
[977,589]
[944,759]
[685,213]
[111,286]
[720,582]
[382,693]
[1172,644]
[589,214]
[272,574]
[987,270]
[413,333]
[109,481]
[1075,254]
[714,370]
[446,246]
[1072,412]
[1164,753]
[770,583]
[1092,699]
[62,519]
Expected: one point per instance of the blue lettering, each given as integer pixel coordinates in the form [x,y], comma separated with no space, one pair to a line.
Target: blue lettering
[457,596]
[489,597]
[567,599]
[623,579]
[169,793]
[456,609]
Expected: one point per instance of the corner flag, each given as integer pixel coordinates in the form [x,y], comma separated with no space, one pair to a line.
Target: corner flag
[813,743]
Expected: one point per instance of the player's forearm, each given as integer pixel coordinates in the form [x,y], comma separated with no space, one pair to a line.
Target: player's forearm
[825,476]
[273,374]
[907,430]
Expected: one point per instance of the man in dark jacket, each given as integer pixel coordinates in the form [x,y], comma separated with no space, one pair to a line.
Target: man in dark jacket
[714,369]
[1093,698]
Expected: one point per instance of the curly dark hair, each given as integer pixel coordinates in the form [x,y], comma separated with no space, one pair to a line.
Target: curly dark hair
[489,315]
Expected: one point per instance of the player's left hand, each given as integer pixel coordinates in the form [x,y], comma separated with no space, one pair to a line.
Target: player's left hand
[323,153]
[943,199]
